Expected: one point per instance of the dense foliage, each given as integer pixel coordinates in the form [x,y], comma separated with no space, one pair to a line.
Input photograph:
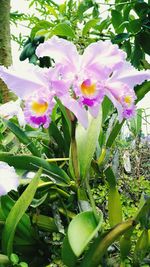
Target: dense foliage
[79,203]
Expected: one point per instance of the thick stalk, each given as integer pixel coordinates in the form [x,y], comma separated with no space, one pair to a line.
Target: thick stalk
[5,44]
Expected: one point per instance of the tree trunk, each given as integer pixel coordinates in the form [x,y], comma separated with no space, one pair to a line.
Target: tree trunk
[5,44]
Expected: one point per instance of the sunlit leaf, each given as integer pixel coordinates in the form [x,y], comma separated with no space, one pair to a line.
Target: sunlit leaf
[86,142]
[63,29]
[81,231]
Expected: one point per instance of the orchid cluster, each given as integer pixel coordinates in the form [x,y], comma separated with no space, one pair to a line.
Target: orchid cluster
[80,81]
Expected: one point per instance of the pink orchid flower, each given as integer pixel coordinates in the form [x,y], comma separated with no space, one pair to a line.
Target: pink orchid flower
[101,70]
[38,87]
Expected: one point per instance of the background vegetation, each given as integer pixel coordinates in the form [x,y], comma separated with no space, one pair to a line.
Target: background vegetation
[34,221]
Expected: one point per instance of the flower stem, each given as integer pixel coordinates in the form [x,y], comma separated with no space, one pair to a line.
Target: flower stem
[74,154]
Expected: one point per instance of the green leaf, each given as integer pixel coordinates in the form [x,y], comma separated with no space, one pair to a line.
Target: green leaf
[56,134]
[68,257]
[34,163]
[52,11]
[63,29]
[90,24]
[114,207]
[81,231]
[119,38]
[87,141]
[104,24]
[84,6]
[141,8]
[142,90]
[111,179]
[16,214]
[134,26]
[24,227]
[107,107]
[116,20]
[64,112]
[42,25]
[99,247]
[23,138]
[141,248]
[137,54]
[114,203]
[143,39]
[113,134]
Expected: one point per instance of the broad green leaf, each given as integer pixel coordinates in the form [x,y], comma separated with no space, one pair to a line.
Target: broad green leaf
[99,247]
[42,32]
[142,90]
[143,38]
[114,207]
[34,163]
[111,179]
[113,134]
[116,20]
[16,214]
[63,29]
[86,142]
[68,257]
[137,54]
[90,24]
[141,8]
[42,25]
[56,134]
[81,231]
[24,228]
[23,138]
[107,107]
[114,203]
[134,26]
